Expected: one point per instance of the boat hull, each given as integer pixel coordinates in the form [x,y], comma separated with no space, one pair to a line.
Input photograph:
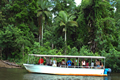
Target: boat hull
[64,71]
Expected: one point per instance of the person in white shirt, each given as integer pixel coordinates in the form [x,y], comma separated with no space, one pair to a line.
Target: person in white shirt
[83,63]
[54,63]
[63,63]
[92,64]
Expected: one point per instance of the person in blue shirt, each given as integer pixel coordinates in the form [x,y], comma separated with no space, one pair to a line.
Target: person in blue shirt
[69,63]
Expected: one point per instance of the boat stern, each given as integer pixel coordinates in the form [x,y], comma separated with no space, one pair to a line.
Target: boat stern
[107,71]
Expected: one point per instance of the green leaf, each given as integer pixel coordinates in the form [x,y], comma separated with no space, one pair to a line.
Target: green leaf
[38,14]
[62,24]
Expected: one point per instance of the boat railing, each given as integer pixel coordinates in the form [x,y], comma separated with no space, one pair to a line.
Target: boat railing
[89,67]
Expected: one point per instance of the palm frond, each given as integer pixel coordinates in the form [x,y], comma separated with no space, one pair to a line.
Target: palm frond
[71,17]
[72,23]
[43,5]
[63,15]
[39,2]
[38,14]
[47,13]
[62,23]
[39,9]
[58,18]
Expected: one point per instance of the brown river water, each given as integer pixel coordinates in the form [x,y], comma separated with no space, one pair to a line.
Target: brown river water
[22,74]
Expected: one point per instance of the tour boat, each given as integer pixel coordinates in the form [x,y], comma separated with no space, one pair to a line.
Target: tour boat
[76,71]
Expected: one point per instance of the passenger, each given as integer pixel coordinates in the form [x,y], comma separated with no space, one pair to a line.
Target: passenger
[47,61]
[83,63]
[79,63]
[54,63]
[95,62]
[50,62]
[59,64]
[98,63]
[69,63]
[76,62]
[87,64]
[63,63]
[41,61]
[101,65]
[92,64]
[73,64]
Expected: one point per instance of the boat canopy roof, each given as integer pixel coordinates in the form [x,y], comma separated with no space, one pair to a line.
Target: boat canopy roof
[67,56]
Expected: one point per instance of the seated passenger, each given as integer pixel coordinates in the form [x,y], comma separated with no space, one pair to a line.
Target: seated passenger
[54,63]
[59,64]
[87,64]
[41,61]
[73,63]
[92,64]
[63,63]
[47,61]
[83,63]
[76,63]
[50,62]
[98,63]
[69,63]
[101,65]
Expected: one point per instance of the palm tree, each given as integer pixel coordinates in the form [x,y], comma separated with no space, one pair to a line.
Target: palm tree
[43,15]
[66,21]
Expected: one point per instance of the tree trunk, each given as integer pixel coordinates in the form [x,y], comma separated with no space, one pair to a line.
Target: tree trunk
[65,43]
[40,28]
[42,34]
[92,37]
[39,39]
[23,49]
[52,46]
[0,53]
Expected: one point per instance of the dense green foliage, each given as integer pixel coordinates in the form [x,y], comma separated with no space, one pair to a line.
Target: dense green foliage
[90,29]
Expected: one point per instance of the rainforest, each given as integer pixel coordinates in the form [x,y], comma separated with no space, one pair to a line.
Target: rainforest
[59,27]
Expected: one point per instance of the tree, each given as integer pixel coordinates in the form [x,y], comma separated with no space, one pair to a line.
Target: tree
[64,5]
[117,13]
[13,40]
[96,20]
[43,14]
[16,31]
[66,21]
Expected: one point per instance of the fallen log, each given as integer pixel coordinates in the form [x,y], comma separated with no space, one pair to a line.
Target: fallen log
[12,64]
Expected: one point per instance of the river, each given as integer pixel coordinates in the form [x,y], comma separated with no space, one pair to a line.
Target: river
[22,74]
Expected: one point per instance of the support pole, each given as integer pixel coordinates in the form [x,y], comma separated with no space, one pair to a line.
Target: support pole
[91,62]
[104,63]
[78,62]
[28,59]
[40,60]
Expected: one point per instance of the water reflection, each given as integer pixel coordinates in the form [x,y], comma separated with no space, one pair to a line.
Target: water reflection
[59,77]
[22,74]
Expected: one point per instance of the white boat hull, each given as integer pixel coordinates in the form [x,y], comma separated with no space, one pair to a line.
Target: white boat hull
[64,71]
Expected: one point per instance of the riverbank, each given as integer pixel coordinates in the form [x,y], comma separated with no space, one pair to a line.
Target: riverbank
[7,64]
